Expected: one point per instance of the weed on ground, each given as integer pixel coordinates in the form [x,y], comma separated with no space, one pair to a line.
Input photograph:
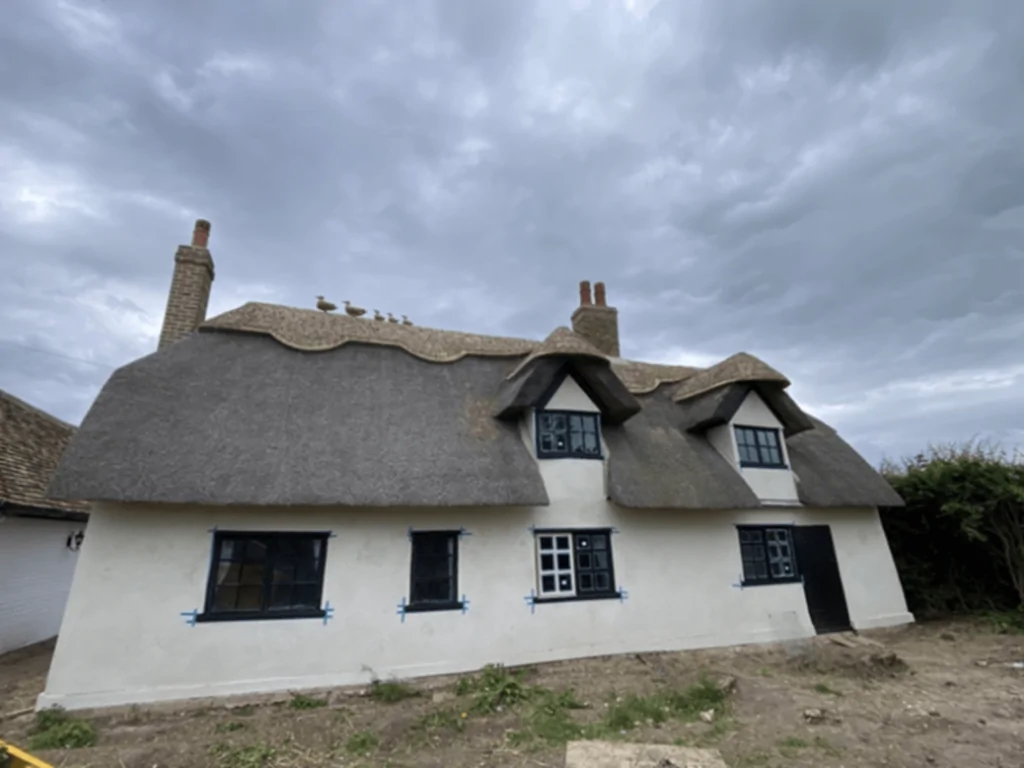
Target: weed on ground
[55,729]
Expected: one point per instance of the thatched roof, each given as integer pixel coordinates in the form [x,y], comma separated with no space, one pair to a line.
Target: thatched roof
[561,342]
[277,406]
[222,418]
[312,331]
[538,378]
[654,463]
[717,406]
[830,473]
[31,445]
[739,367]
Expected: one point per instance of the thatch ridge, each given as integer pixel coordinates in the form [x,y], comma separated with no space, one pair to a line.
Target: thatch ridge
[738,367]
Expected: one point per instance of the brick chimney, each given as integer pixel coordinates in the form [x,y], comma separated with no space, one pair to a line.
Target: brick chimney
[190,287]
[596,321]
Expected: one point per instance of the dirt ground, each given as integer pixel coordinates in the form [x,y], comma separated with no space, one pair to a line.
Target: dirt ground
[935,695]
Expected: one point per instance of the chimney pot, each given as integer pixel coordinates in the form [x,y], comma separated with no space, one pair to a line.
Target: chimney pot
[201,234]
[585,300]
[599,297]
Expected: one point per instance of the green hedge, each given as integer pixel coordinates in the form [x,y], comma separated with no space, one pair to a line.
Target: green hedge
[959,542]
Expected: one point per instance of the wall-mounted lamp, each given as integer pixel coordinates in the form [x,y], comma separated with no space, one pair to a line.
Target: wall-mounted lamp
[74,542]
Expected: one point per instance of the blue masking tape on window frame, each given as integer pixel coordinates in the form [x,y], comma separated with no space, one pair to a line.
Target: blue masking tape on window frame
[465,605]
[328,612]
[463,532]
[191,616]
[401,609]
[623,595]
[739,584]
[531,600]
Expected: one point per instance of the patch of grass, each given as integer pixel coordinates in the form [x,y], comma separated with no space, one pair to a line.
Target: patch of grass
[229,727]
[765,672]
[750,759]
[1007,622]
[55,729]
[497,688]
[793,742]
[626,714]
[300,701]
[392,691]
[255,756]
[549,719]
[442,719]
[824,688]
[244,711]
[362,743]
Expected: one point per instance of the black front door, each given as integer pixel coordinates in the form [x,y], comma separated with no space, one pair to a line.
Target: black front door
[823,586]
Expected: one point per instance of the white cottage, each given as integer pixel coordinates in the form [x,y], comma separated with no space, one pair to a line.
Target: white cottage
[287,499]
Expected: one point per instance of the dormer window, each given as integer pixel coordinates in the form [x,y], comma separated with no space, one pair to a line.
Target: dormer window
[759,447]
[568,435]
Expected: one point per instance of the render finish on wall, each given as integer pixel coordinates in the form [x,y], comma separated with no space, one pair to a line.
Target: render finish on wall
[679,572]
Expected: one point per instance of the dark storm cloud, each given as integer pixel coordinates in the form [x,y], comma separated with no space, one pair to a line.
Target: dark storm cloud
[832,186]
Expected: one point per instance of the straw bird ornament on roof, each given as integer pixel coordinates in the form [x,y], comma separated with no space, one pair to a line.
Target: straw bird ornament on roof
[406,320]
[377,315]
[324,306]
[392,318]
[353,311]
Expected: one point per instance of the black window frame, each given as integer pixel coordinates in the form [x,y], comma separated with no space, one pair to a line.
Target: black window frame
[418,605]
[760,447]
[273,539]
[568,453]
[575,550]
[753,579]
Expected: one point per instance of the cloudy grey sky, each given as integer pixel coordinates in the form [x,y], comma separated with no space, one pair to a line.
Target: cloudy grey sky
[835,187]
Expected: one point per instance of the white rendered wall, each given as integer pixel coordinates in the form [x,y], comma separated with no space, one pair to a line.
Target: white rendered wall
[35,576]
[771,485]
[124,640]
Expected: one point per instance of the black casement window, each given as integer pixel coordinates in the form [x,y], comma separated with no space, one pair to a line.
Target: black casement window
[574,565]
[568,435]
[265,576]
[767,554]
[435,571]
[759,447]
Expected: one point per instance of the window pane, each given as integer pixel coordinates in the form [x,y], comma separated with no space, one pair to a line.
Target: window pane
[583,561]
[562,542]
[602,581]
[281,596]
[255,550]
[249,599]
[547,562]
[306,596]
[576,442]
[224,599]
[590,444]
[576,423]
[599,541]
[227,548]
[564,562]
[251,574]
[564,582]
[582,541]
[546,542]
[585,581]
[600,559]
[228,573]
[547,584]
